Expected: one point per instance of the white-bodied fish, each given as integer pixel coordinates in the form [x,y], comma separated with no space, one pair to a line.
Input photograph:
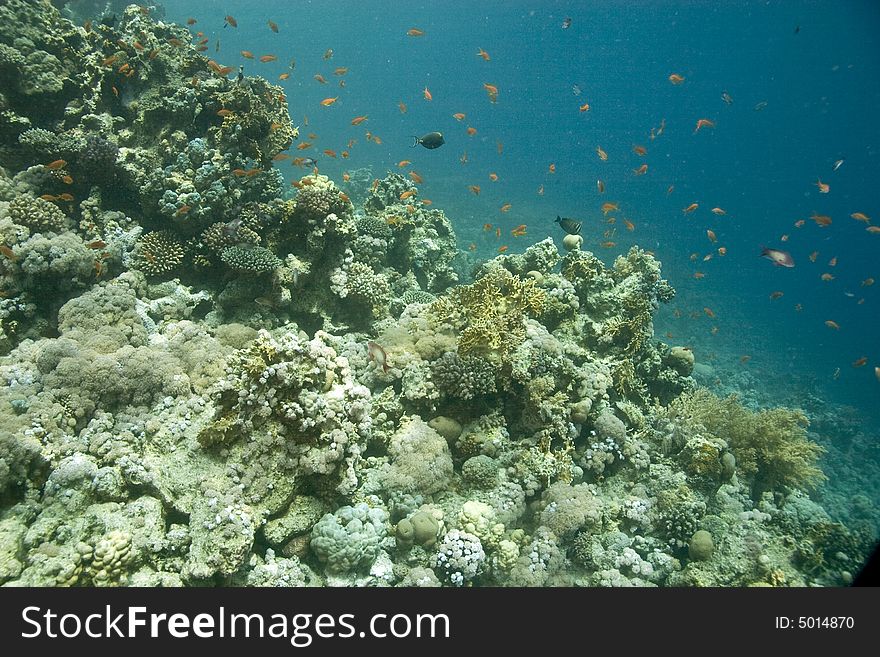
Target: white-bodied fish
[377,354]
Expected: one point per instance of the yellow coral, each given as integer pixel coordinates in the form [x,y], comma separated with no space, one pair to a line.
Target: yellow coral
[489,313]
[771,446]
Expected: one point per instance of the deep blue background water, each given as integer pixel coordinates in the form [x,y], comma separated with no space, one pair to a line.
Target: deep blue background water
[820,85]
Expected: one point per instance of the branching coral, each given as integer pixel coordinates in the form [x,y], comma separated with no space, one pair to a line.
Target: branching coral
[489,313]
[158,253]
[771,446]
[37,214]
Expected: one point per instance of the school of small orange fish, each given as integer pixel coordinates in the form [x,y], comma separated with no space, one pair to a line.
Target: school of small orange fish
[493,93]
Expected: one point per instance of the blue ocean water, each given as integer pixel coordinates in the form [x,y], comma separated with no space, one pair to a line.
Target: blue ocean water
[802,78]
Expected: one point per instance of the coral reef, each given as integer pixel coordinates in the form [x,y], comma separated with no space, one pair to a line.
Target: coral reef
[207,379]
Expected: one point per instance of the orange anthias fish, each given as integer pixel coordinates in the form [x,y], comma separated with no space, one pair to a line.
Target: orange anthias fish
[415,32]
[821,219]
[340,70]
[584,108]
[551,168]
[610,207]
[247,54]
[602,154]
[703,123]
[824,188]
[719,212]
[475,189]
[427,94]
[231,22]
[471,131]
[639,150]
[405,195]
[56,164]
[402,107]
[493,177]
[482,53]
[502,249]
[329,101]
[860,362]
[268,58]
[416,178]
[458,116]
[506,207]
[690,208]
[403,163]
[860,216]
[641,171]
[273,26]
[711,235]
[830,323]
[320,78]
[358,119]
[675,78]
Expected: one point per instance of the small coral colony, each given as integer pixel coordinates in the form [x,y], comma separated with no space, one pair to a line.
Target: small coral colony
[211,377]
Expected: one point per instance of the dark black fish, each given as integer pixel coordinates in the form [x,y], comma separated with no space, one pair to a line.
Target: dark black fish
[570,226]
[109,21]
[566,23]
[430,140]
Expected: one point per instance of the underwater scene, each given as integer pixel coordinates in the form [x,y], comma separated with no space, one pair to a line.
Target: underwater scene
[438,294]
